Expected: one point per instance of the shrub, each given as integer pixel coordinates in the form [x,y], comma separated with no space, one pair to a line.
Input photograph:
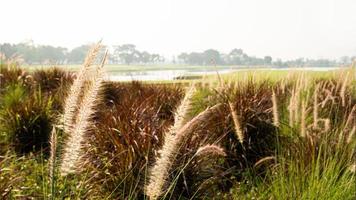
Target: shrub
[12,74]
[129,128]
[25,119]
[53,82]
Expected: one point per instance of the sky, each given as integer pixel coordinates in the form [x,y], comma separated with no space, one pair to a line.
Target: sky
[285,29]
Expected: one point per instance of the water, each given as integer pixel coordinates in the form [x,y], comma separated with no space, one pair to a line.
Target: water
[166,75]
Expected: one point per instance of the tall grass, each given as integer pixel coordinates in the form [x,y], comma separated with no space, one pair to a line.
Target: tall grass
[129,130]
[289,138]
[25,119]
[79,110]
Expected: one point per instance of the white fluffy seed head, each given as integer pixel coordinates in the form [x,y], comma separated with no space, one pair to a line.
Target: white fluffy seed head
[210,149]
[82,119]
[275,109]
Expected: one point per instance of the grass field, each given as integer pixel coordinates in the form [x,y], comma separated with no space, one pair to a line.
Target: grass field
[246,135]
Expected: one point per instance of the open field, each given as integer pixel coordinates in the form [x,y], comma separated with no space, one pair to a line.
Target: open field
[244,135]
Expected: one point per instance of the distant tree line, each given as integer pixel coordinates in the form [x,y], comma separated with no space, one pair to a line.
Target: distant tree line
[239,57]
[128,54]
[45,54]
[214,57]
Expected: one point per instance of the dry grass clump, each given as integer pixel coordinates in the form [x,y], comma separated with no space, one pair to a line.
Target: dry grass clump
[131,122]
[333,104]
[326,121]
[139,141]
[28,107]
[53,79]
[204,175]
[12,74]
[53,82]
[25,119]
[252,103]
[254,106]
[171,147]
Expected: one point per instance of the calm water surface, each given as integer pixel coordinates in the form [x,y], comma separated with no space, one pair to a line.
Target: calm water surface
[165,75]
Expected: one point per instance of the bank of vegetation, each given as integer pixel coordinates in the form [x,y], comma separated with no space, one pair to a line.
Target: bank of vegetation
[65,135]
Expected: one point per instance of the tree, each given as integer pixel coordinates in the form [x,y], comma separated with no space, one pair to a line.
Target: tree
[145,57]
[155,58]
[183,57]
[235,57]
[127,53]
[51,54]
[78,54]
[267,60]
[7,50]
[195,58]
[345,60]
[212,56]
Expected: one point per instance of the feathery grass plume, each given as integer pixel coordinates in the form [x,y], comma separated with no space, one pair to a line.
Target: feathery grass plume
[291,108]
[352,168]
[348,124]
[303,120]
[351,135]
[73,99]
[52,157]
[315,107]
[240,135]
[350,117]
[183,109]
[296,103]
[263,160]
[275,109]
[210,149]
[52,160]
[218,76]
[353,69]
[326,124]
[172,143]
[327,98]
[283,86]
[73,146]
[343,89]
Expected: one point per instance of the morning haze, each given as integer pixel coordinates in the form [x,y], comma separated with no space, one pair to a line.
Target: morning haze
[280,28]
[178,99]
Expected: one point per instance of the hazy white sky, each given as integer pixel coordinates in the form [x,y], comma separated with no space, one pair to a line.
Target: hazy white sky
[280,28]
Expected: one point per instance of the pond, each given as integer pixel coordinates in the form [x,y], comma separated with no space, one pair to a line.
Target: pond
[174,74]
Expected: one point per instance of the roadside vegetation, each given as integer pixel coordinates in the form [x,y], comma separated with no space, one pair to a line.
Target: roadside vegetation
[250,135]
